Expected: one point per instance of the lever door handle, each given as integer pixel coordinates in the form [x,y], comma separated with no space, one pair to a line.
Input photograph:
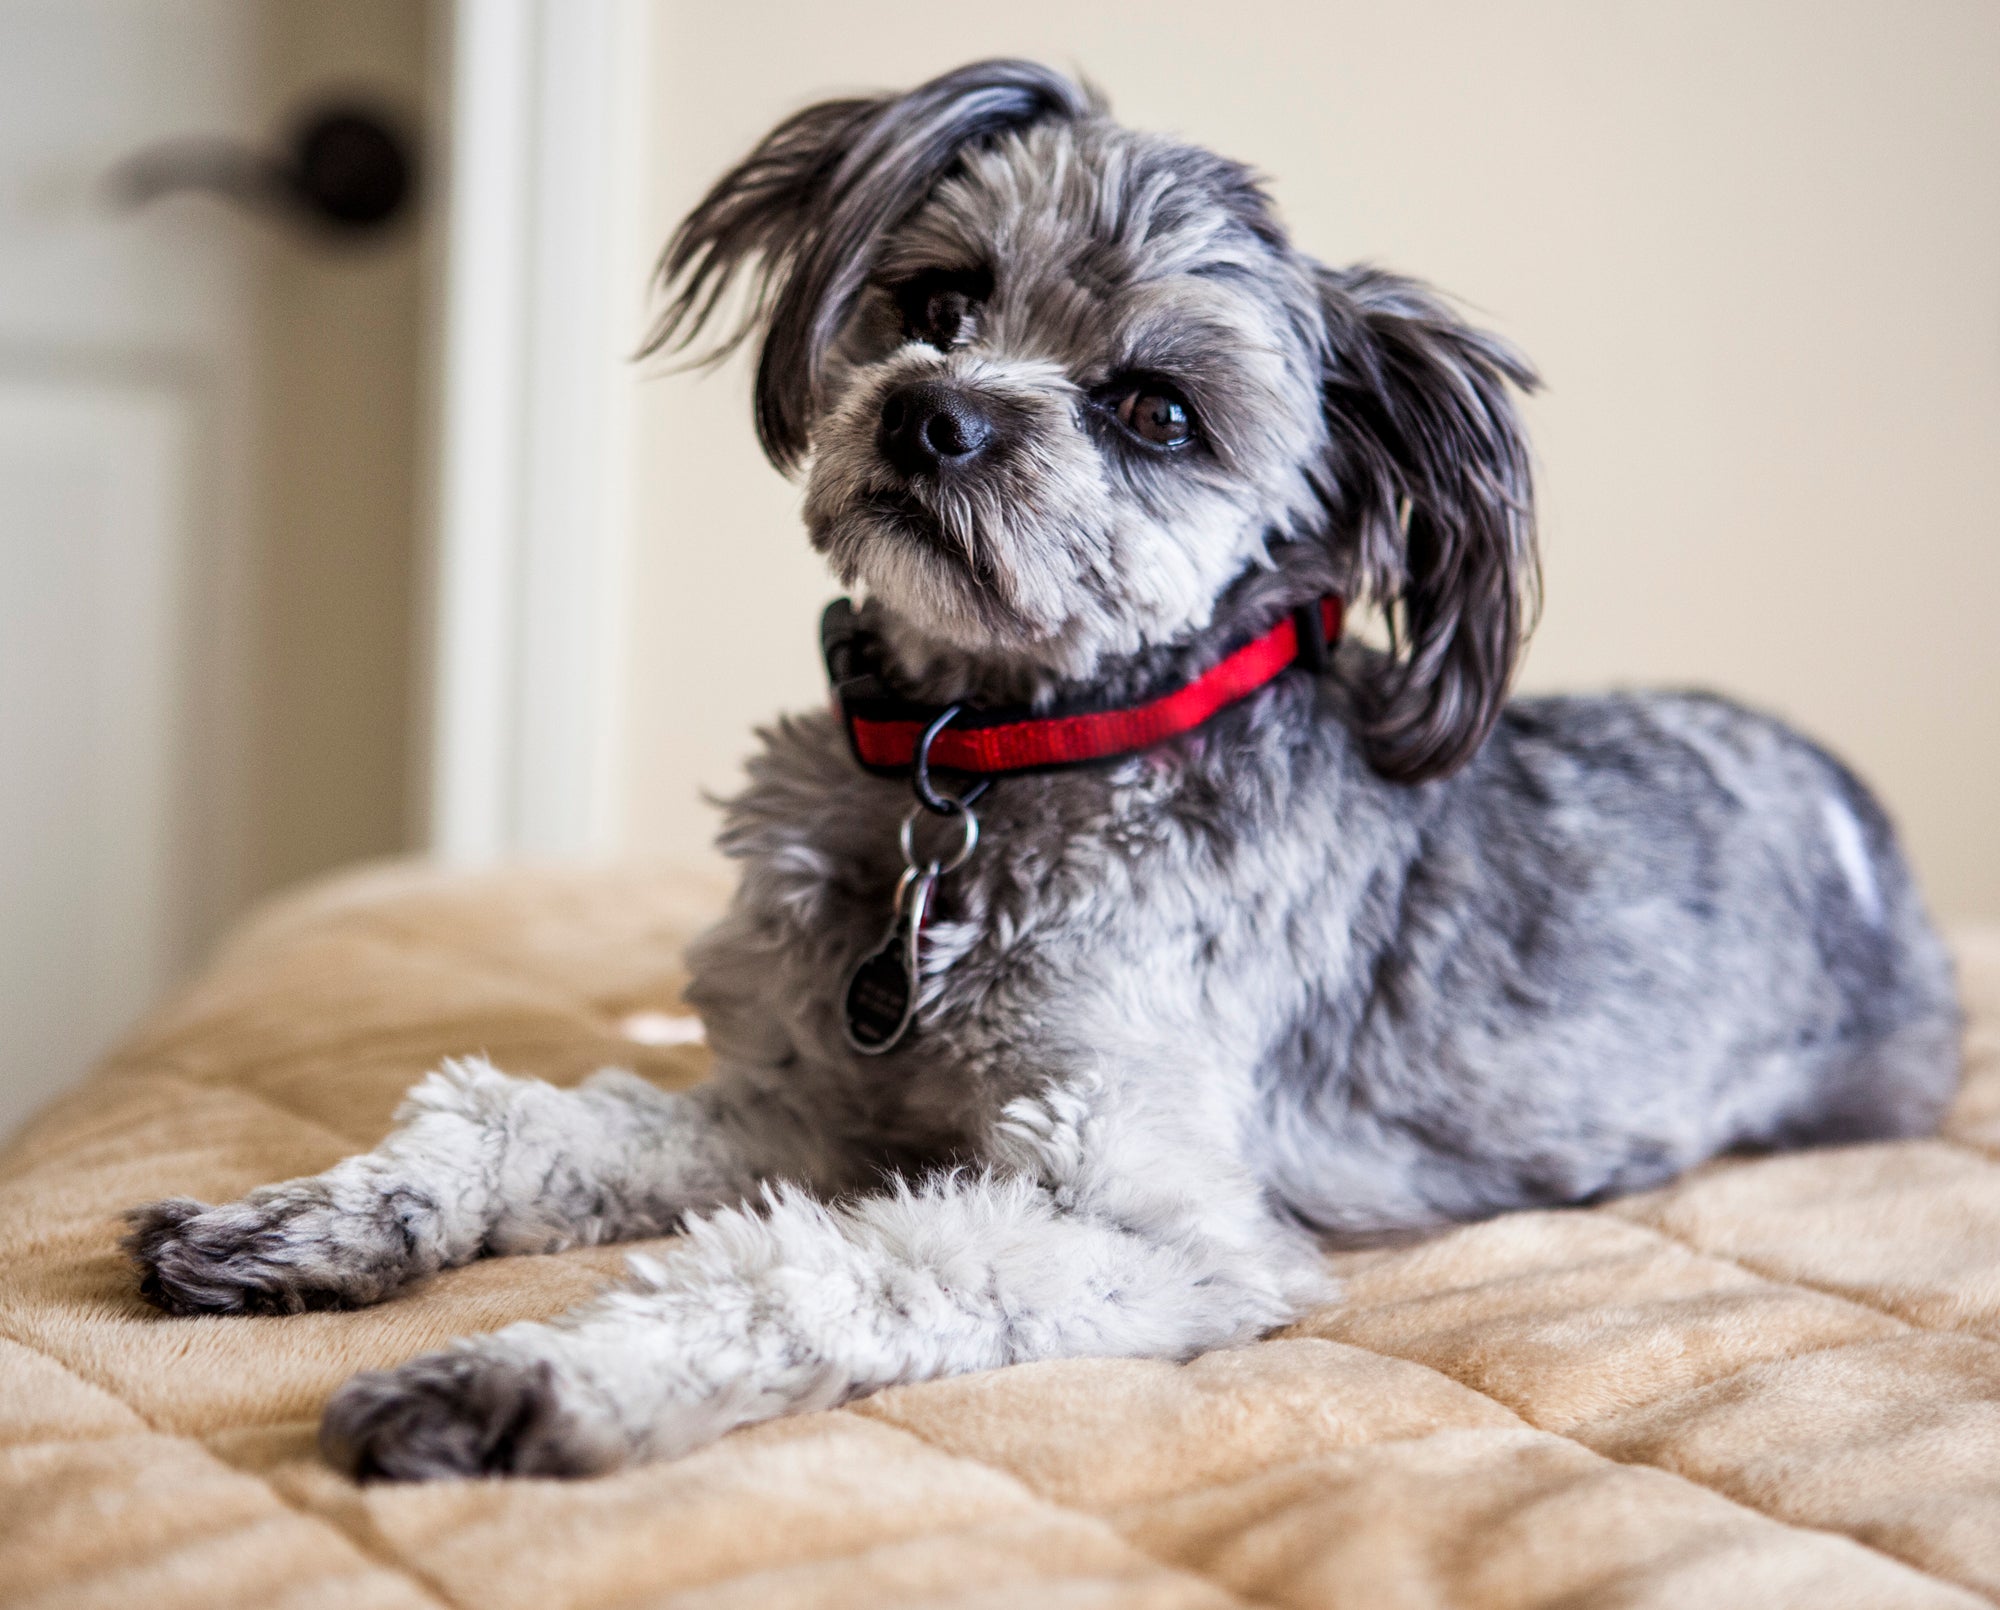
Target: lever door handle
[344,169]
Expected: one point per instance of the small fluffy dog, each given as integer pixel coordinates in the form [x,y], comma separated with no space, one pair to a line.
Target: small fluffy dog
[1365,950]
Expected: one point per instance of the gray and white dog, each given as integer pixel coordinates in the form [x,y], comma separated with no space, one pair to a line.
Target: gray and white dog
[1372,950]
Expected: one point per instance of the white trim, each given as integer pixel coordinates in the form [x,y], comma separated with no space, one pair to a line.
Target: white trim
[530,559]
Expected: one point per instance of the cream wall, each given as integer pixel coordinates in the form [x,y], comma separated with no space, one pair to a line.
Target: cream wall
[1755,248]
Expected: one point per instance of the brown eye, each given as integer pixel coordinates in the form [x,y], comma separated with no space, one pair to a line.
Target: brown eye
[1156,414]
[945,319]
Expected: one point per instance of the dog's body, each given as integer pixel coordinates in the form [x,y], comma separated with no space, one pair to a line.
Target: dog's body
[1632,933]
[1364,954]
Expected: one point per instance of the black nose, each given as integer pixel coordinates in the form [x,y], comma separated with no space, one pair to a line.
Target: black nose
[929,425]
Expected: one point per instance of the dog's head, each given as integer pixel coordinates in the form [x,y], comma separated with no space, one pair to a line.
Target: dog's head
[1064,386]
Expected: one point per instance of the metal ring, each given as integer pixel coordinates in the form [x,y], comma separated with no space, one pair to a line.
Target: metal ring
[966,844]
[920,776]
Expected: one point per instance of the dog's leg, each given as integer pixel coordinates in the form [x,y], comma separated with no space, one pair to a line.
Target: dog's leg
[801,1306]
[478,1163]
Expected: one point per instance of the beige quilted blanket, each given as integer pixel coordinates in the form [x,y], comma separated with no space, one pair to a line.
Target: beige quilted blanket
[1776,1383]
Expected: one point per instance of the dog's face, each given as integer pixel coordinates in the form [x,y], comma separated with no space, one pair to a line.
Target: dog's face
[1074,401]
[1063,385]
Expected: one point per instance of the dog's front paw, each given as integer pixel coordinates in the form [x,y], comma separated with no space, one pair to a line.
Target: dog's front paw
[467,1412]
[269,1254]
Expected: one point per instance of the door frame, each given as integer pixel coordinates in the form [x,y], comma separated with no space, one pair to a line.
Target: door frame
[541,309]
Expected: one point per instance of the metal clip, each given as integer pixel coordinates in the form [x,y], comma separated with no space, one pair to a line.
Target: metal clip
[920,775]
[880,1002]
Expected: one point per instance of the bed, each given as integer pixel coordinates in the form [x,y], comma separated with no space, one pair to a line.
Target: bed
[1775,1383]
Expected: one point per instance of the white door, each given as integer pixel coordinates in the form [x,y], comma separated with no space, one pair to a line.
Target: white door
[124,340]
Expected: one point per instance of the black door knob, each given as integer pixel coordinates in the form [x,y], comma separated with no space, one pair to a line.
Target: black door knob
[349,169]
[344,169]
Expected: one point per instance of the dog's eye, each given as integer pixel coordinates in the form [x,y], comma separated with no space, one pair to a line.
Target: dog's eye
[946,319]
[1157,414]
[942,308]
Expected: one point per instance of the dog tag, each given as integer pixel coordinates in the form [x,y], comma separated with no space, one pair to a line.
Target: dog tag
[882,989]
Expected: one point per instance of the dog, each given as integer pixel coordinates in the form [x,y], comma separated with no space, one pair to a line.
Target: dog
[1092,1056]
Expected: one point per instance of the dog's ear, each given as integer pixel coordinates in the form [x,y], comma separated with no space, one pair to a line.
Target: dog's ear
[1430,481]
[805,214]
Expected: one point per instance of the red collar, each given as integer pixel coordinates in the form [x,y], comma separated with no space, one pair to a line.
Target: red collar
[884,729]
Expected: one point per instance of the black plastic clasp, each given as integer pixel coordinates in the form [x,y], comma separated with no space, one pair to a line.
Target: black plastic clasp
[1315,653]
[842,645]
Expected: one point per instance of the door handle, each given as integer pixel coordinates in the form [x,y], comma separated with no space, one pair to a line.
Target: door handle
[343,169]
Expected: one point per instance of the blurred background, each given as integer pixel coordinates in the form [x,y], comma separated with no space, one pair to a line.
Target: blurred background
[337,524]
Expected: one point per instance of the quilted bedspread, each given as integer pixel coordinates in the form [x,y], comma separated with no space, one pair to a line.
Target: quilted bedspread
[1775,1383]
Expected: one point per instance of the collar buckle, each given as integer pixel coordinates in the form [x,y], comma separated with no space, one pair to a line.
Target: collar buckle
[1315,650]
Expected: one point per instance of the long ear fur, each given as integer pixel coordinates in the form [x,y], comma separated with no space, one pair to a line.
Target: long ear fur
[1430,479]
[809,208]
